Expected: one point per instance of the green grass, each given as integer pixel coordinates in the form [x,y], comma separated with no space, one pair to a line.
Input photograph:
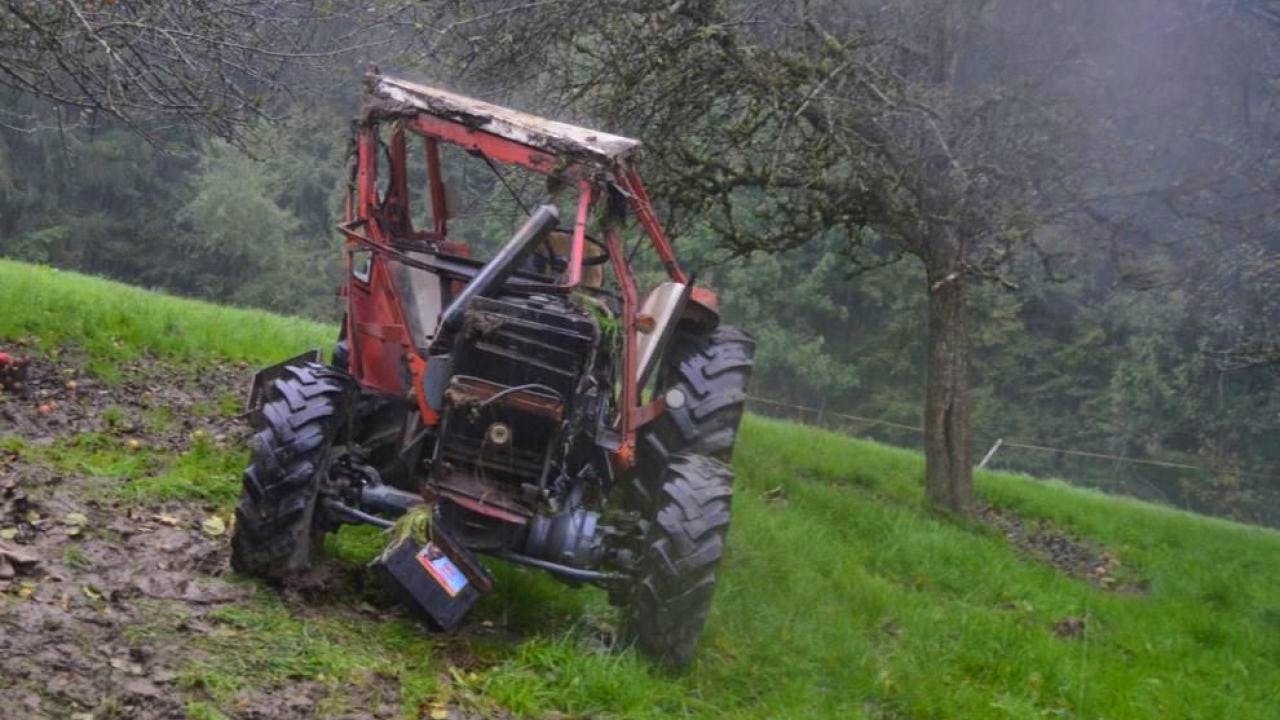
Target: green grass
[203,472]
[848,599]
[111,321]
[260,642]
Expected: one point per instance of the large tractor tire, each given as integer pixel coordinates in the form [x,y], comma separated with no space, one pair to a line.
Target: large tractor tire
[667,603]
[276,520]
[711,371]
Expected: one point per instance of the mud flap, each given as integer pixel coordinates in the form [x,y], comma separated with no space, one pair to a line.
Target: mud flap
[439,581]
[263,378]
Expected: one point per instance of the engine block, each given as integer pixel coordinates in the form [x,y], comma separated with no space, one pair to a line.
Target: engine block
[517,365]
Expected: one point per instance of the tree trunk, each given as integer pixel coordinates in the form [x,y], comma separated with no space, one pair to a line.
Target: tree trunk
[948,451]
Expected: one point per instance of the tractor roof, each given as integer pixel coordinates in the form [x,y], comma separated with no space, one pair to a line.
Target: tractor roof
[398,97]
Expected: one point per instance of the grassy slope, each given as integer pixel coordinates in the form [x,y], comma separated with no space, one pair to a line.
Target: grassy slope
[845,600]
[112,321]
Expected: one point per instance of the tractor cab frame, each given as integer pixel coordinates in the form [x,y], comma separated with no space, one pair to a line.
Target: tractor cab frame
[381,238]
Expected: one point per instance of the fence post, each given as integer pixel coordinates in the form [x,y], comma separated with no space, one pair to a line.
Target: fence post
[986,458]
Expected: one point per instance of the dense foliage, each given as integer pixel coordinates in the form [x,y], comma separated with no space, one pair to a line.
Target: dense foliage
[201,218]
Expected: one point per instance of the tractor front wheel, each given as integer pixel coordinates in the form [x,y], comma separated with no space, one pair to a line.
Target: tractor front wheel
[276,524]
[708,374]
[675,574]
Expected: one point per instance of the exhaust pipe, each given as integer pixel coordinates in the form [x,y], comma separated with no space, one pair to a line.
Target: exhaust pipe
[489,280]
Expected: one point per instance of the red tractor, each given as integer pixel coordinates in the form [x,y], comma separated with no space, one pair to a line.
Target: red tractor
[530,407]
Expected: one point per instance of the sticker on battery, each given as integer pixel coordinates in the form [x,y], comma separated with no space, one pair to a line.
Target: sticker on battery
[442,570]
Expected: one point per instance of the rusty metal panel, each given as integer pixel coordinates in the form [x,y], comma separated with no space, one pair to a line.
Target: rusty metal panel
[465,390]
[558,138]
[483,495]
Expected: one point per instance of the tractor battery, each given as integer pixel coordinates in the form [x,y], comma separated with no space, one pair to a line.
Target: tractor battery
[440,580]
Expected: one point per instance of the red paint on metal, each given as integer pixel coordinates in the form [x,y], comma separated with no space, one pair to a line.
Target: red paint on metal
[643,209]
[378,333]
[703,309]
[579,235]
[417,372]
[366,171]
[706,297]
[630,392]
[646,414]
[483,508]
[382,355]
[376,328]
[395,206]
[439,206]
[495,148]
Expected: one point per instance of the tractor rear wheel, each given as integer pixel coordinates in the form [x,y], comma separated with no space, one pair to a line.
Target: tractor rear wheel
[276,520]
[679,556]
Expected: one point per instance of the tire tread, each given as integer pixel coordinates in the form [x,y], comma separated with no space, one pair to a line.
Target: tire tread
[275,512]
[670,598]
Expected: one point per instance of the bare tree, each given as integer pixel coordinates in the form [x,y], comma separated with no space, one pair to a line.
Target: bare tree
[922,129]
[214,66]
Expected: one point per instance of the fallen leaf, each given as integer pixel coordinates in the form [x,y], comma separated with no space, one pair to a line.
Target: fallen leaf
[439,713]
[213,526]
[76,519]
[91,592]
[8,533]
[26,590]
[32,517]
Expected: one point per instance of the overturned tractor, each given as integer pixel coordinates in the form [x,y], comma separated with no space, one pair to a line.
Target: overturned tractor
[530,406]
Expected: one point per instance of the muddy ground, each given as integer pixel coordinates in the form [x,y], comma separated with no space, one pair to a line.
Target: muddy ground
[1080,558]
[101,600]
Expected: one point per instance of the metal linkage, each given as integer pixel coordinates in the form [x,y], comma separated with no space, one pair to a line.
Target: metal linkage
[352,515]
[564,571]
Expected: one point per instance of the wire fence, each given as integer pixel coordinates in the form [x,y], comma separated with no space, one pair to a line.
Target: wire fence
[1247,496]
